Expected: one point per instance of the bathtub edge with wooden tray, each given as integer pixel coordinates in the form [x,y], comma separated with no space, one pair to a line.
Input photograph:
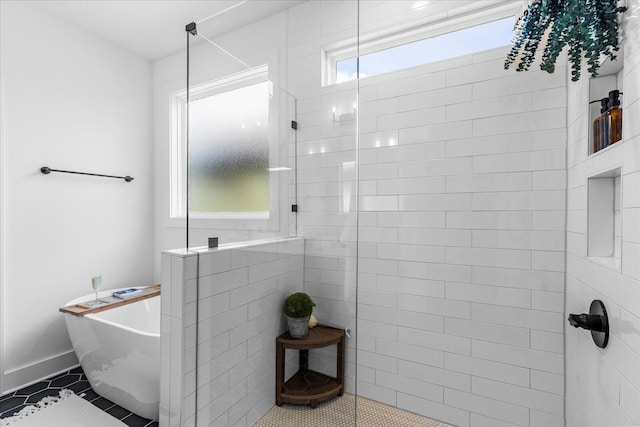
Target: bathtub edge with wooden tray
[109,302]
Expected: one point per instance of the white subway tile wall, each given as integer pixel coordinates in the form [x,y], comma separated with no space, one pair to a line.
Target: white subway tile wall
[472,216]
[461,228]
[603,385]
[240,291]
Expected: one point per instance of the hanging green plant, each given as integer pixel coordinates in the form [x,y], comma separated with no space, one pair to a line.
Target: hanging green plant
[588,27]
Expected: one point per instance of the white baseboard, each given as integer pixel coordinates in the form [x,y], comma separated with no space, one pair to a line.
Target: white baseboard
[30,374]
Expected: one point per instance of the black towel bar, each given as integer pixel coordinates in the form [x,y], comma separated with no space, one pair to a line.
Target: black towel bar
[47,170]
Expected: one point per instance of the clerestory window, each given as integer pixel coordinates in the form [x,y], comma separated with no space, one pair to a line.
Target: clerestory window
[417,46]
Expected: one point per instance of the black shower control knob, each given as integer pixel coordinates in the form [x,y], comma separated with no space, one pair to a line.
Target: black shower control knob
[595,321]
[591,322]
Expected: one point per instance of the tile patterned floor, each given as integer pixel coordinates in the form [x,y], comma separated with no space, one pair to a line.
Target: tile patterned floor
[339,412]
[76,381]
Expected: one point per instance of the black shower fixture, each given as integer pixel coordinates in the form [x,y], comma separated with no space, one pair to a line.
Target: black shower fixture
[596,321]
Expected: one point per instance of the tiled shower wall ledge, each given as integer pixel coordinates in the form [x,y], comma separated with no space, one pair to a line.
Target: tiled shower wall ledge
[239,290]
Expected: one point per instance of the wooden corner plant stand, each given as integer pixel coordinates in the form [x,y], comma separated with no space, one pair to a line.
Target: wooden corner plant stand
[307,387]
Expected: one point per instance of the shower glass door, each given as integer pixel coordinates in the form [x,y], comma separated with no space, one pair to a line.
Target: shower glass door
[461,223]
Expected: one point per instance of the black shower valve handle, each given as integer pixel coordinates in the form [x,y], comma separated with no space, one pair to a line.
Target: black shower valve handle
[595,321]
[591,322]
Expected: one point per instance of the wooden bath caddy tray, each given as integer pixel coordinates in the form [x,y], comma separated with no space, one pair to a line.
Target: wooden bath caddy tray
[83,308]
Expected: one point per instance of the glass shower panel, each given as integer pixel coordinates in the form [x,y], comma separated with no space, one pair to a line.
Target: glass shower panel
[272,168]
[403,314]
[241,151]
[457,239]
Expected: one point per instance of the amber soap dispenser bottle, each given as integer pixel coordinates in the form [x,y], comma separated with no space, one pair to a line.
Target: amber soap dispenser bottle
[614,117]
[600,131]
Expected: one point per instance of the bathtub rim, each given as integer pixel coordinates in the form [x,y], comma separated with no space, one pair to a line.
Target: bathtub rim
[95,316]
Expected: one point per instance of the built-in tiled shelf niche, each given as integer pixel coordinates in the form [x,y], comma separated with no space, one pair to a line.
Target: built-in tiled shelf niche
[604,239]
[610,77]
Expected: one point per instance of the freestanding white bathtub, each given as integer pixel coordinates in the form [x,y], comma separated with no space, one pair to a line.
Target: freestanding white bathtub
[119,350]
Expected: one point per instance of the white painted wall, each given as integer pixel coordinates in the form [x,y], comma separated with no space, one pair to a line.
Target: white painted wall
[603,385]
[69,101]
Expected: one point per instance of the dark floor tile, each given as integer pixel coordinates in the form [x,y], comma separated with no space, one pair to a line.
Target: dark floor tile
[66,380]
[9,404]
[33,388]
[11,412]
[79,387]
[134,420]
[76,381]
[7,396]
[90,395]
[44,393]
[118,411]
[103,403]
[63,374]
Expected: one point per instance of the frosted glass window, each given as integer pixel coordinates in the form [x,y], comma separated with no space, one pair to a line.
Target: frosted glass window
[450,45]
[229,146]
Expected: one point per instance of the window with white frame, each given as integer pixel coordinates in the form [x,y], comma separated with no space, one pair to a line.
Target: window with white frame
[229,144]
[417,46]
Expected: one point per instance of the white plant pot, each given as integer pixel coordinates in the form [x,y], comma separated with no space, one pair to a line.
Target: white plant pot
[298,326]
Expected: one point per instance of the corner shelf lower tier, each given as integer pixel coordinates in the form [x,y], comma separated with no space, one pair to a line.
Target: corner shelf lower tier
[307,387]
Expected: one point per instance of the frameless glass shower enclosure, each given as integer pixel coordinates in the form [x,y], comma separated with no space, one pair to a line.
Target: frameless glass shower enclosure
[415,200]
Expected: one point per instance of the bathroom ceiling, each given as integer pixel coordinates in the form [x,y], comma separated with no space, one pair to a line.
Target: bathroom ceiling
[154,29]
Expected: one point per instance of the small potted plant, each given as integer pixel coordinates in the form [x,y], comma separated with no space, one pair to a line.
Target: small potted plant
[297,308]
